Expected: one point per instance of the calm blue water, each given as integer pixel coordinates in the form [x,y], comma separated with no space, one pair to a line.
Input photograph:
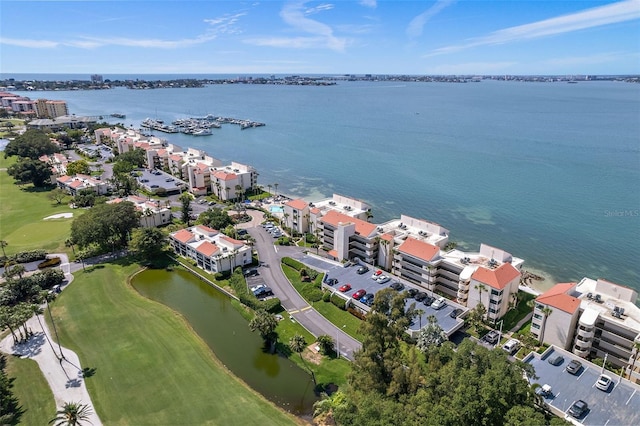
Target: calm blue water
[549,172]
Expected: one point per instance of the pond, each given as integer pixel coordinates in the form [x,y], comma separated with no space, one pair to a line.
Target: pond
[216,321]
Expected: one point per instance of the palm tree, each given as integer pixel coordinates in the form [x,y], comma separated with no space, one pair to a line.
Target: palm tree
[297,344]
[546,311]
[269,186]
[238,189]
[481,289]
[218,187]
[636,347]
[70,243]
[265,323]
[3,244]
[71,414]
[285,216]
[275,185]
[227,189]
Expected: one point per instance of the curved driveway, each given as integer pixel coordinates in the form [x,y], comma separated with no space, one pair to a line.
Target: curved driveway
[298,308]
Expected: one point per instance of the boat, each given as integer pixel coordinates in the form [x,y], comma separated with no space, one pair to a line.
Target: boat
[118,115]
[201,132]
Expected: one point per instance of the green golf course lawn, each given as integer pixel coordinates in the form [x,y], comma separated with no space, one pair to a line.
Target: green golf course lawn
[150,367]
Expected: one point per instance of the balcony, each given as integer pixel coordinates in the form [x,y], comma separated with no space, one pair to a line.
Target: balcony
[581,352]
[585,334]
[462,296]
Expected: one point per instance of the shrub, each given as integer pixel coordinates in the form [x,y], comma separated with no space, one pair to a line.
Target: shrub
[30,256]
[314,295]
[338,301]
[54,261]
[356,313]
[326,297]
[293,263]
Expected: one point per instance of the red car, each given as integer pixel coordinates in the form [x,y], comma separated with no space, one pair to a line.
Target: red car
[358,294]
[345,287]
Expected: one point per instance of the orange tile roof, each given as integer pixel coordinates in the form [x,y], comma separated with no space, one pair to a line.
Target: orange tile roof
[497,278]
[298,204]
[64,178]
[233,241]
[315,210]
[207,249]
[183,236]
[162,152]
[387,237]
[206,228]
[175,157]
[363,228]
[224,175]
[558,298]
[419,249]
[202,166]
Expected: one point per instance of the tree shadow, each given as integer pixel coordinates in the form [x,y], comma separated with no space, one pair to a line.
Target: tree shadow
[87,372]
[31,346]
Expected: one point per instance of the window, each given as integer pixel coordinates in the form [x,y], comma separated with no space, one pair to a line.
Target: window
[537,316]
[534,325]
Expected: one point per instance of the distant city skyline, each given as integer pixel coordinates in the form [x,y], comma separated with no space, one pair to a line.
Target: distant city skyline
[327,37]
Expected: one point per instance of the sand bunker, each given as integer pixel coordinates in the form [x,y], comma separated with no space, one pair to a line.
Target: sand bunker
[59,216]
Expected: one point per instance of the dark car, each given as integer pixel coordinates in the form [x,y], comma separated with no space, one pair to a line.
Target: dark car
[367,299]
[263,292]
[362,270]
[251,272]
[411,293]
[578,408]
[332,281]
[420,296]
[455,313]
[397,286]
[574,367]
[556,360]
[429,300]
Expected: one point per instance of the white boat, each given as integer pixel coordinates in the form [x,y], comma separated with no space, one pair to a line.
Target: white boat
[202,132]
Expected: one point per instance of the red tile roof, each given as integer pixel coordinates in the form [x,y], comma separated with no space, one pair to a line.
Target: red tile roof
[183,236]
[497,278]
[206,229]
[175,157]
[557,297]
[64,179]
[387,237]
[363,228]
[315,210]
[76,184]
[233,241]
[419,249]
[298,204]
[207,249]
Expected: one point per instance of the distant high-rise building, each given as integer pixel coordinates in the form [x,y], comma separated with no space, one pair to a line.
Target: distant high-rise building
[96,79]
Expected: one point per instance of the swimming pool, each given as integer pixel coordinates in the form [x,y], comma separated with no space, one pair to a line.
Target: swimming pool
[276,209]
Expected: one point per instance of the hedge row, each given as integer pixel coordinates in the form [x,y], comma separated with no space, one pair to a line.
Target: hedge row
[337,300]
[293,263]
[27,256]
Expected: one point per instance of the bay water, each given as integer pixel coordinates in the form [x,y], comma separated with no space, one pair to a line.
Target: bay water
[547,171]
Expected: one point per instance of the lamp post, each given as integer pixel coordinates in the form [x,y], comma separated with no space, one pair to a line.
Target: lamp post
[338,342]
[500,332]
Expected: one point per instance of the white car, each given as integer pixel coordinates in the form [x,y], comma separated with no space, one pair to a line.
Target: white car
[604,382]
[383,279]
[439,303]
[511,346]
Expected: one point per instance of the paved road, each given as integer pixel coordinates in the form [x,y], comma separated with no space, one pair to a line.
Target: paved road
[295,305]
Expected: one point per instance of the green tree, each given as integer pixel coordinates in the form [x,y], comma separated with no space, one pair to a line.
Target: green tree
[265,323]
[58,195]
[72,414]
[297,344]
[85,198]
[3,244]
[27,170]
[215,218]
[431,335]
[185,199]
[136,157]
[31,144]
[10,411]
[79,167]
[107,225]
[325,342]
[147,243]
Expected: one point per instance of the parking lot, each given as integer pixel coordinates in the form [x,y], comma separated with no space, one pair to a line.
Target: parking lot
[620,405]
[348,275]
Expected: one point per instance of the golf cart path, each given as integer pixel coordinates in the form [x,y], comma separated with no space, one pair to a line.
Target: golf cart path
[63,373]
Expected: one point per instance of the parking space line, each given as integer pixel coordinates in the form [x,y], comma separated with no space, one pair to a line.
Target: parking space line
[629,400]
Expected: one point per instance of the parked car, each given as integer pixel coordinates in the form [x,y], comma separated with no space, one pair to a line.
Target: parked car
[511,346]
[439,303]
[362,270]
[263,292]
[574,367]
[376,274]
[578,408]
[358,294]
[383,279]
[257,287]
[397,286]
[428,301]
[251,272]
[604,382]
[491,337]
[367,299]
[544,391]
[420,296]
[345,287]
[455,313]
[332,281]
[411,293]
[556,360]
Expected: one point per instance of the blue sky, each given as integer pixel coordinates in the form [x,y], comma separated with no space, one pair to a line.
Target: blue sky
[321,37]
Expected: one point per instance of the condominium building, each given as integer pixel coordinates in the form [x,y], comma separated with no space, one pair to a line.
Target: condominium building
[345,237]
[76,183]
[153,213]
[212,250]
[233,181]
[592,318]
[297,216]
[58,163]
[56,109]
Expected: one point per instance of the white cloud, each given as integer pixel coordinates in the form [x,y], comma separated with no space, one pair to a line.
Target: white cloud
[35,44]
[604,15]
[417,24]
[320,34]
[369,3]
[318,9]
